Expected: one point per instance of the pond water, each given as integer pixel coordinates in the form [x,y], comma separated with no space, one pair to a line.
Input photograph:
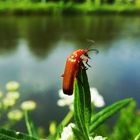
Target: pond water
[33,51]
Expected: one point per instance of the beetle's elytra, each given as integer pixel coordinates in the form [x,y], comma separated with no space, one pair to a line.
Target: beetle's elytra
[71,68]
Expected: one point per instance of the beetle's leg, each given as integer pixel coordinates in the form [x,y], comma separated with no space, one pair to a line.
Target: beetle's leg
[86,60]
[87,63]
[82,66]
[87,56]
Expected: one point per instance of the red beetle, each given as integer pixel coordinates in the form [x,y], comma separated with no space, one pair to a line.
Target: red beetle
[71,68]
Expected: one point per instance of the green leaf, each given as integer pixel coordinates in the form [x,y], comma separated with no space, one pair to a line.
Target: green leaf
[130,120]
[60,127]
[78,110]
[87,100]
[137,137]
[67,118]
[63,123]
[82,102]
[59,131]
[77,134]
[30,126]
[6,134]
[104,114]
[57,135]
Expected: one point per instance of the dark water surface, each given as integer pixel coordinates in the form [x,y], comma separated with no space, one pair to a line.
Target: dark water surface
[33,51]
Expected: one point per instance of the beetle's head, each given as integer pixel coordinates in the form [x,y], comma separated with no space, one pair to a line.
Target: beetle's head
[86,52]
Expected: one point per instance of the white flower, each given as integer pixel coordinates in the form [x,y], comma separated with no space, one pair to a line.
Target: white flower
[96,98]
[8,102]
[67,133]
[12,86]
[66,100]
[98,138]
[13,95]
[28,105]
[15,115]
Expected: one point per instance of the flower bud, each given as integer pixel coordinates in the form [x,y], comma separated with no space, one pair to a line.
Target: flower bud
[15,115]
[12,86]
[28,105]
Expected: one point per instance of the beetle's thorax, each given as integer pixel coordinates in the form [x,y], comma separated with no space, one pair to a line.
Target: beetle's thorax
[76,55]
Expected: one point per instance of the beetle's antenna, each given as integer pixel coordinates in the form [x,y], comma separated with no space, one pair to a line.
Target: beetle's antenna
[95,50]
[91,42]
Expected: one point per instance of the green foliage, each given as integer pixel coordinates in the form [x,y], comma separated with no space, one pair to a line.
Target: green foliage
[82,104]
[85,124]
[104,114]
[30,126]
[128,124]
[8,102]
[6,134]
[60,127]
[9,113]
[67,6]
[137,137]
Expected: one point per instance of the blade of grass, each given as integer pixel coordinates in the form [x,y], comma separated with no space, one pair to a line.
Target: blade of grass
[82,102]
[6,134]
[63,123]
[77,134]
[67,118]
[79,109]
[100,117]
[30,126]
[137,137]
[87,105]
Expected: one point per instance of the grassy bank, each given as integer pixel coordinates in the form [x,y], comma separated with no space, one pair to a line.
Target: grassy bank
[22,8]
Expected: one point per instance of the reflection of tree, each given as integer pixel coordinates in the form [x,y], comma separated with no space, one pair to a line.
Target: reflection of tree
[101,29]
[8,35]
[42,33]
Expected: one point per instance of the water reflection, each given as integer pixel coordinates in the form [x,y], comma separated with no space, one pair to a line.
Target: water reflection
[33,51]
[118,71]
[42,33]
[8,35]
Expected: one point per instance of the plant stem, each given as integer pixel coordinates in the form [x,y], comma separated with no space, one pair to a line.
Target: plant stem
[29,129]
[67,118]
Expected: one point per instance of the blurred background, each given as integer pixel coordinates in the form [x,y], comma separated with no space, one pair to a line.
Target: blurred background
[37,36]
